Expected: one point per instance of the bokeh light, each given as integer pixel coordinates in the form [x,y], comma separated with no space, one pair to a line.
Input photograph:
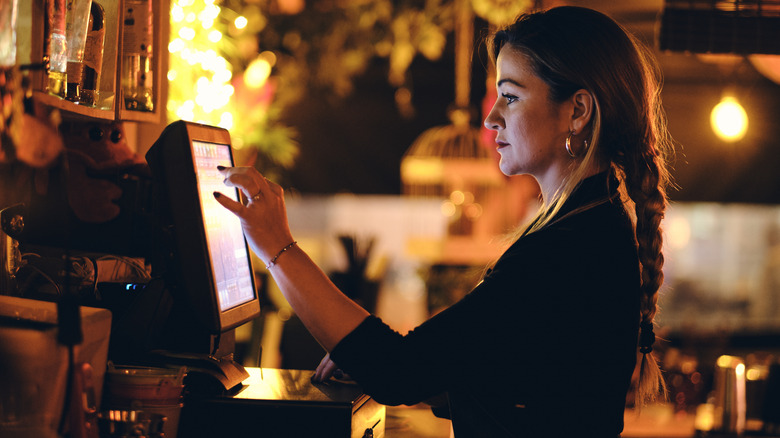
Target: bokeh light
[729,120]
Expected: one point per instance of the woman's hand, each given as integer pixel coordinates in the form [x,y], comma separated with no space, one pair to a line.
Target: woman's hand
[302,282]
[326,369]
[264,217]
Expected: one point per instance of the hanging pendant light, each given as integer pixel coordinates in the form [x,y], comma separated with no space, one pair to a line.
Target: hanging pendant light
[729,120]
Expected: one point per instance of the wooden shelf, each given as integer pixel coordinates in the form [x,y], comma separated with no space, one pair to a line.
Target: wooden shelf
[73,110]
[34,14]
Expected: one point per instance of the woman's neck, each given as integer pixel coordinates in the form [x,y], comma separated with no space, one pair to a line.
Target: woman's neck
[552,182]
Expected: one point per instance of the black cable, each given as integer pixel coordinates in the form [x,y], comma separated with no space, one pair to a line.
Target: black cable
[69,318]
[69,331]
[68,389]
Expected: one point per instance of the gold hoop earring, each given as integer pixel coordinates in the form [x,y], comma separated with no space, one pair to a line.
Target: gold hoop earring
[568,145]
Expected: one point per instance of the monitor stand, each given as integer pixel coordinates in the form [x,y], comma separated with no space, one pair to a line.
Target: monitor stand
[206,374]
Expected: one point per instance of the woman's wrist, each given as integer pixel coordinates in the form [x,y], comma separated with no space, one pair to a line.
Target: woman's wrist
[274,259]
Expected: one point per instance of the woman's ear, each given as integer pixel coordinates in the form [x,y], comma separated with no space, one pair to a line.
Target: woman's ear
[584,106]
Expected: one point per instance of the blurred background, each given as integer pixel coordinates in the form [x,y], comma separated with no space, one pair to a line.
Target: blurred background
[369,114]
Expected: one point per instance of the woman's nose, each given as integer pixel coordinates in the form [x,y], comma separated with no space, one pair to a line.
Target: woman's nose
[492,121]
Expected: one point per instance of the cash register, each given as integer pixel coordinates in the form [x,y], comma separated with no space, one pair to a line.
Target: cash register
[211,282]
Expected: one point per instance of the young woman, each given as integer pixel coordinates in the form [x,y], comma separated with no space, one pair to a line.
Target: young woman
[547,343]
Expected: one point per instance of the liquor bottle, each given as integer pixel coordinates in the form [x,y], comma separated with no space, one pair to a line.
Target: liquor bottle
[8,13]
[56,48]
[137,74]
[93,56]
[77,19]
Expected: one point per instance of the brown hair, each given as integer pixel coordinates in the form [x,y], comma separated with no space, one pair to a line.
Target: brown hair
[573,48]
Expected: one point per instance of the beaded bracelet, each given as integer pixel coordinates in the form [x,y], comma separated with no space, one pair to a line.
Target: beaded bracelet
[273,260]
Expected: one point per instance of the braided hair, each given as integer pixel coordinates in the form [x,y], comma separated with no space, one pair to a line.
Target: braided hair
[572,48]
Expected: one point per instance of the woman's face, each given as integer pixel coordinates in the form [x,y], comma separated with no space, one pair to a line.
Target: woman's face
[530,129]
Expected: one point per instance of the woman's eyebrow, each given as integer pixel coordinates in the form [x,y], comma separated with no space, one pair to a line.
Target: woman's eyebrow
[511,81]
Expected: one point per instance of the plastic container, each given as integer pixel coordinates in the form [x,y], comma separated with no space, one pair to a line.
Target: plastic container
[120,423]
[146,389]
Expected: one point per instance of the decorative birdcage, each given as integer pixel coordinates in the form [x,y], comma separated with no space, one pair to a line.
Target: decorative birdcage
[450,163]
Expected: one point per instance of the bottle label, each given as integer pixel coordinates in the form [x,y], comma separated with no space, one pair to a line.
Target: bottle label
[74,72]
[93,51]
[137,27]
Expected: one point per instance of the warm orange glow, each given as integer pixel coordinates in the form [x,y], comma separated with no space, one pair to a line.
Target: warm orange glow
[257,73]
[457,197]
[729,120]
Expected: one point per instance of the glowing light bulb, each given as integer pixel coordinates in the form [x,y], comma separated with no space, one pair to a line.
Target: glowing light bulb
[241,22]
[729,120]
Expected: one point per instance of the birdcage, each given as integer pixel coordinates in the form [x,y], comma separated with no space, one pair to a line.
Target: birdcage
[451,163]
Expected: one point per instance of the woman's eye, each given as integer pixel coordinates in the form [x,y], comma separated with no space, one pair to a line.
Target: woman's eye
[509,98]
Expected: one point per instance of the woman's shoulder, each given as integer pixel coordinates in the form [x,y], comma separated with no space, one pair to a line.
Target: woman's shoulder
[601,227]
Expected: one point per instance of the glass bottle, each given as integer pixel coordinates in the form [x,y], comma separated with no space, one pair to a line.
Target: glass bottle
[77,19]
[93,56]
[8,12]
[137,74]
[56,48]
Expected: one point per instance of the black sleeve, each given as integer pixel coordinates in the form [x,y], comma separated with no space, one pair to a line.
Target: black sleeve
[489,332]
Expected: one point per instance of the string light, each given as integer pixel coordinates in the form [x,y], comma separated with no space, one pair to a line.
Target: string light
[215,36]
[199,78]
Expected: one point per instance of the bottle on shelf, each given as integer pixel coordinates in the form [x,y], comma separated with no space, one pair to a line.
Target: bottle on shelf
[137,74]
[56,48]
[8,12]
[93,56]
[77,19]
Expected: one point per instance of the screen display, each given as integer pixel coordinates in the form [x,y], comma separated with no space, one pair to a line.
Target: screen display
[227,247]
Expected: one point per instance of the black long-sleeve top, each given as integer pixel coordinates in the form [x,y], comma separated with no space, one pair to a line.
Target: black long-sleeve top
[545,345]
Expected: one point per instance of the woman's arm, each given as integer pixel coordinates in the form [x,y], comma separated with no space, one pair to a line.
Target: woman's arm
[326,312]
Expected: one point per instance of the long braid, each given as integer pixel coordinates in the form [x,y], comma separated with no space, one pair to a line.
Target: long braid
[645,185]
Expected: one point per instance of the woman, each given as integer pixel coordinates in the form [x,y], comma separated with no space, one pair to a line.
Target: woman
[546,344]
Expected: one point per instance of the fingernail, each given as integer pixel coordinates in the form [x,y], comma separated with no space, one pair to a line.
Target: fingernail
[217,194]
[220,167]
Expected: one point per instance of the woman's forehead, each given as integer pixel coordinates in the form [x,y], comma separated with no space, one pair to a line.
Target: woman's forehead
[513,66]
